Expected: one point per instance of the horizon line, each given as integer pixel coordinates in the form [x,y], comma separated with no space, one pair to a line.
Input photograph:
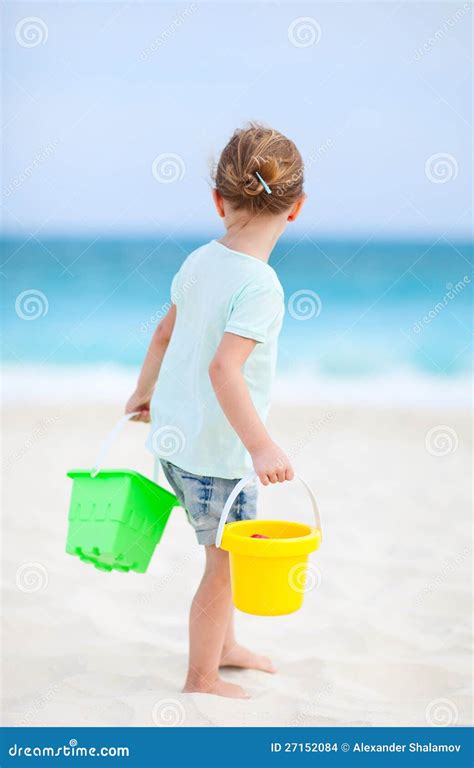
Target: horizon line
[137,235]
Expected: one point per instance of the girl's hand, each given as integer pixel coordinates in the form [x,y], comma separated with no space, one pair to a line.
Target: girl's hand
[271,464]
[140,403]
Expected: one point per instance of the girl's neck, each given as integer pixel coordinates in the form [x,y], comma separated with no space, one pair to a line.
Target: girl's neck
[255,238]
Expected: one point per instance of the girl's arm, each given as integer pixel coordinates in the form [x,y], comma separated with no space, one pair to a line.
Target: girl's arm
[225,371]
[140,400]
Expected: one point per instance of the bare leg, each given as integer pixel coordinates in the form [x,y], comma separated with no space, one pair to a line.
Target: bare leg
[208,621]
[235,655]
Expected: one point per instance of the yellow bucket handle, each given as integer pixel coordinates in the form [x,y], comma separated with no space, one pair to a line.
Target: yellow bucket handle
[249,479]
[109,440]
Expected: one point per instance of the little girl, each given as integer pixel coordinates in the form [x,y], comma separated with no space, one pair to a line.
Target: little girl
[207,377]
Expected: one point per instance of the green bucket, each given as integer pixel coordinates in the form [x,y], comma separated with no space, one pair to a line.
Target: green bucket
[116,516]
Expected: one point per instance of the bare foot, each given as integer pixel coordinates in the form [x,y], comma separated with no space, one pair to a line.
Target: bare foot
[218,688]
[238,656]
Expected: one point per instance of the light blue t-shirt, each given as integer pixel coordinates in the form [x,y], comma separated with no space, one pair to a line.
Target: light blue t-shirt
[217,290]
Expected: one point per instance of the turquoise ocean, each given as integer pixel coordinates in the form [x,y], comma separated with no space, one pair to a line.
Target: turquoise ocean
[386,320]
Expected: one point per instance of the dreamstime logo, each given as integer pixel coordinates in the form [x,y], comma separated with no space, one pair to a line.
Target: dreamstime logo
[441,713]
[167,441]
[320,151]
[312,707]
[450,567]
[168,168]
[39,703]
[441,167]
[37,434]
[313,429]
[298,175]
[31,304]
[176,295]
[41,157]
[304,304]
[304,577]
[31,577]
[168,578]
[452,290]
[295,178]
[441,440]
[168,712]
[31,32]
[168,33]
[304,32]
[442,32]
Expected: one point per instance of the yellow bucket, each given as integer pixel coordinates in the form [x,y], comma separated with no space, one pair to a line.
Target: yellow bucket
[268,575]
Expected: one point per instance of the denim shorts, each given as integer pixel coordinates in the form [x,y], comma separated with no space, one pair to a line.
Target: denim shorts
[203,498]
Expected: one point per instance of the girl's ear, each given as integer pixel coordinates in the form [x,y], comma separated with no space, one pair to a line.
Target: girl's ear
[296,209]
[218,202]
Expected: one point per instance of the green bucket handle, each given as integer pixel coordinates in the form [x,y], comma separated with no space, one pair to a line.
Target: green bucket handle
[109,440]
[246,481]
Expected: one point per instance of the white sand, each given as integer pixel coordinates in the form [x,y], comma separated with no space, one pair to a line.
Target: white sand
[382,640]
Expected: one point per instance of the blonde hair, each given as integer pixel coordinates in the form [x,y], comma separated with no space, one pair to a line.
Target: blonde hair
[261,150]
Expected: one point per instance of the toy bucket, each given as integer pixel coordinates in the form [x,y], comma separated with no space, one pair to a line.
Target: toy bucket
[268,575]
[116,516]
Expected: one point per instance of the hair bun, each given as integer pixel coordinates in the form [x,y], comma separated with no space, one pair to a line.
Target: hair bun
[251,185]
[268,168]
[266,152]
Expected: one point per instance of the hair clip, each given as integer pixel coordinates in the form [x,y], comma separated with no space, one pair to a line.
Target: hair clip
[264,183]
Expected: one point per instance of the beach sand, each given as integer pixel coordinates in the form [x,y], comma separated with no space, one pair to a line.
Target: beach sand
[382,638]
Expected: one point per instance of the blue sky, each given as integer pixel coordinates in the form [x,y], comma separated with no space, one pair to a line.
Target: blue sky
[376,95]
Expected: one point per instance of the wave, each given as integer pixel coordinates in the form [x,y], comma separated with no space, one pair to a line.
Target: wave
[399,387]
[71,385]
